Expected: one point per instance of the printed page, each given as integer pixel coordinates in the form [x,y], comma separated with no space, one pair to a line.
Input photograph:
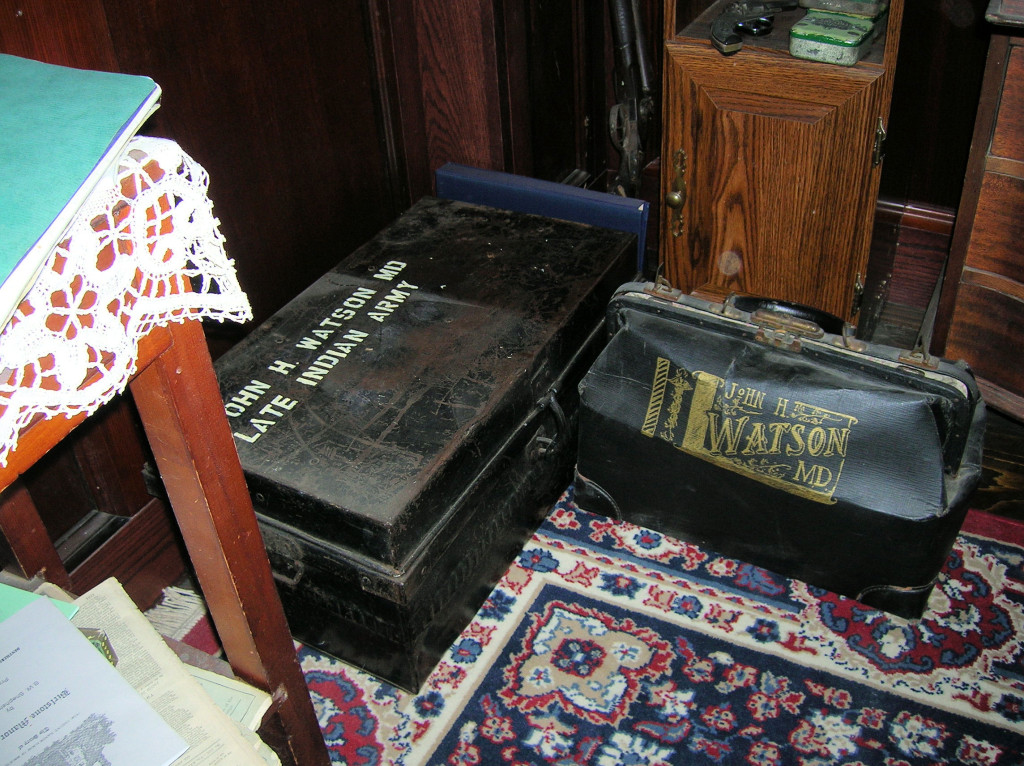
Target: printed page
[152,668]
[244,704]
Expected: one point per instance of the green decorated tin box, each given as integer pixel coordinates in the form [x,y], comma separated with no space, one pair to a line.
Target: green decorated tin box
[870,9]
[833,38]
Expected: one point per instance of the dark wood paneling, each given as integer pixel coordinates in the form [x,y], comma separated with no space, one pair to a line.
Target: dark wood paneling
[145,556]
[59,491]
[981,318]
[987,320]
[277,100]
[1002,481]
[459,83]
[66,32]
[555,38]
[935,95]
[112,454]
[458,36]
[998,231]
[923,242]
[988,105]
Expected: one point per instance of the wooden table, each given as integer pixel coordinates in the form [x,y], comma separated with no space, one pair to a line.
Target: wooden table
[172,380]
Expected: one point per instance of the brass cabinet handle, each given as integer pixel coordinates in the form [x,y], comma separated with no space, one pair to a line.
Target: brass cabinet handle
[676,199]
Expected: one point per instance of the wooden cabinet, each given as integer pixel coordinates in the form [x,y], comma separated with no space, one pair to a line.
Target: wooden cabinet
[769,164]
[981,317]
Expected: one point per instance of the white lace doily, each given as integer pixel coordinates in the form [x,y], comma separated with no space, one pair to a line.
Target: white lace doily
[144,251]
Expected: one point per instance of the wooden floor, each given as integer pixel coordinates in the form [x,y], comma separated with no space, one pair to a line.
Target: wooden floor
[1002,486]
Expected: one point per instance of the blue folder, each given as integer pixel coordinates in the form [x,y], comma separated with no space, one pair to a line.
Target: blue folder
[554,200]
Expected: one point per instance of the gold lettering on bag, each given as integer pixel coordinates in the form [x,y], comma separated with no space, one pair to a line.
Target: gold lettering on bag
[794,446]
[657,397]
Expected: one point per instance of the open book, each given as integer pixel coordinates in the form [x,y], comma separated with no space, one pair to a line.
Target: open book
[214,737]
[107,679]
[61,131]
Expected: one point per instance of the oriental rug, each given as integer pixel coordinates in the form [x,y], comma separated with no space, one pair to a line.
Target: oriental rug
[607,644]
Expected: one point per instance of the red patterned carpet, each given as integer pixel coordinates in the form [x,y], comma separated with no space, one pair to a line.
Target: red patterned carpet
[609,644]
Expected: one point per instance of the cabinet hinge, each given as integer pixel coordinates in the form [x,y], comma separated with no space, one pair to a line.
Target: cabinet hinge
[858,296]
[878,151]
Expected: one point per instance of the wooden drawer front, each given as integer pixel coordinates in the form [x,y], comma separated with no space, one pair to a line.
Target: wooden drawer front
[989,319]
[987,333]
[998,231]
[983,297]
[1008,135]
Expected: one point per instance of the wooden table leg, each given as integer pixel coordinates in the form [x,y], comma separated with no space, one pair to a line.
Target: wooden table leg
[179,401]
[26,535]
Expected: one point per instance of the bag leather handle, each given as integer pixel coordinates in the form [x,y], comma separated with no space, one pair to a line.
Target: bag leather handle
[830,323]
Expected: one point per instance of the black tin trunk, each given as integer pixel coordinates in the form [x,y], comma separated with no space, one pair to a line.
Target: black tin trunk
[403,422]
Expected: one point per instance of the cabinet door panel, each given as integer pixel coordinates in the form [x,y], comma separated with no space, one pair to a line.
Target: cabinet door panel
[777,176]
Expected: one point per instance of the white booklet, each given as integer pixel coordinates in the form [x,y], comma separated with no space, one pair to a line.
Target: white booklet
[61,701]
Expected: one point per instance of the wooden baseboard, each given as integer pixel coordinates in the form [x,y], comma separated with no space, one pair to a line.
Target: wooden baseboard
[929,218]
[145,555]
[922,246]
[909,245]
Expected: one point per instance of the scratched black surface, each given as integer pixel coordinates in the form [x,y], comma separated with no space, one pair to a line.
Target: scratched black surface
[372,457]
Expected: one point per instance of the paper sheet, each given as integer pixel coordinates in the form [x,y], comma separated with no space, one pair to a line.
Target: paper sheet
[62,702]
